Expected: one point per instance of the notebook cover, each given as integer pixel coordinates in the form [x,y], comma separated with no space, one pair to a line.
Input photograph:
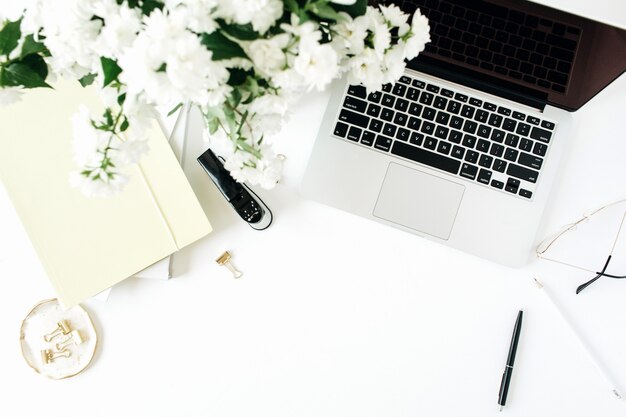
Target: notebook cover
[89,244]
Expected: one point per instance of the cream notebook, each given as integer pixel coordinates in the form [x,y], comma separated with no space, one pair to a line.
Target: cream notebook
[87,245]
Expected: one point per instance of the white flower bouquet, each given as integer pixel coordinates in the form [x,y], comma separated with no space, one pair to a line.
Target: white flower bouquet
[242,62]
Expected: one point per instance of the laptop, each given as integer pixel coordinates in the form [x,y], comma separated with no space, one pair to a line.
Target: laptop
[465,147]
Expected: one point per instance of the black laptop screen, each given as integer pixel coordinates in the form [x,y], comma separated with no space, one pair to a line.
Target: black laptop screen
[520,47]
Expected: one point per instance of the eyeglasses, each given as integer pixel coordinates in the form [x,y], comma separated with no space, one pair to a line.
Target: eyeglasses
[545,246]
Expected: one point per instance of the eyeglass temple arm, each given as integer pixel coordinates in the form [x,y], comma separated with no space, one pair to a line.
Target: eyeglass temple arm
[591,281]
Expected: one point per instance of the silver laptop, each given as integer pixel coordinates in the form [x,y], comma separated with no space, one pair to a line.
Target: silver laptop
[465,147]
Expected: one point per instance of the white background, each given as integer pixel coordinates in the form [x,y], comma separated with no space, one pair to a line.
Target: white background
[336,315]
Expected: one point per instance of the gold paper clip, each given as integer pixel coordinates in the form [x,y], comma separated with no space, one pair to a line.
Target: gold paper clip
[48,356]
[224,260]
[62,328]
[74,338]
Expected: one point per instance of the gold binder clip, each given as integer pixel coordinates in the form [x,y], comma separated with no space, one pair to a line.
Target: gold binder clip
[48,356]
[62,328]
[224,260]
[74,338]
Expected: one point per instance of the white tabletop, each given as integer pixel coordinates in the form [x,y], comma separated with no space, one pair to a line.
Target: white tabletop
[336,315]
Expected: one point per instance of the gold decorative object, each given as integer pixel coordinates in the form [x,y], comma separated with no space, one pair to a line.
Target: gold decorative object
[62,328]
[74,338]
[48,356]
[224,260]
[70,355]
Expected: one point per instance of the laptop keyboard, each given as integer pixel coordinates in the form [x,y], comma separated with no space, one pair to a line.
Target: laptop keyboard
[453,132]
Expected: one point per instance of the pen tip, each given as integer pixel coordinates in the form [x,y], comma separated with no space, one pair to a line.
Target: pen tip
[537,283]
[617,394]
[501,407]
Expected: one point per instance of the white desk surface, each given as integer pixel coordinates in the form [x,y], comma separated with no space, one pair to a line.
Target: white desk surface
[337,316]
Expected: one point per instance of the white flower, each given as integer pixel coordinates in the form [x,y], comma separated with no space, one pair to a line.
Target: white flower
[130,151]
[382,38]
[366,70]
[12,9]
[98,184]
[394,15]
[344,2]
[120,30]
[393,63]
[317,64]
[267,54]
[420,36]
[87,140]
[198,13]
[261,13]
[350,34]
[10,95]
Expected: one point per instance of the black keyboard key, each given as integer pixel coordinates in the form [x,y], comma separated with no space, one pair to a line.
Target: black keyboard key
[541,134]
[526,145]
[419,84]
[512,185]
[430,143]
[525,193]
[476,102]
[402,104]
[389,129]
[523,129]
[415,109]
[373,110]
[495,120]
[353,118]
[490,106]
[368,138]
[400,119]
[511,140]
[485,161]
[440,102]
[471,157]
[455,136]
[481,116]
[357,91]
[547,125]
[387,114]
[388,100]
[497,135]
[529,160]
[511,154]
[428,128]
[496,150]
[387,88]
[376,125]
[405,80]
[504,111]
[425,157]
[429,113]
[533,120]
[354,133]
[441,132]
[470,126]
[497,184]
[469,171]
[416,139]
[432,88]
[412,94]
[522,173]
[414,123]
[454,107]
[442,118]
[340,129]
[467,111]
[444,147]
[540,149]
[458,152]
[426,98]
[403,134]
[461,97]
[484,131]
[399,89]
[509,125]
[447,93]
[469,141]
[374,97]
[456,122]
[499,165]
[383,143]
[519,116]
[484,176]
[483,145]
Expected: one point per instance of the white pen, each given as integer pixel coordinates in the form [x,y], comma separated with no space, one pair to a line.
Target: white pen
[601,369]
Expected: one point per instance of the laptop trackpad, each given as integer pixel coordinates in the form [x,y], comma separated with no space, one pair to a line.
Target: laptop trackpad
[419,201]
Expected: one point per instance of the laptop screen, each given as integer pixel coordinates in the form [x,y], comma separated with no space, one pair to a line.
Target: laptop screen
[534,53]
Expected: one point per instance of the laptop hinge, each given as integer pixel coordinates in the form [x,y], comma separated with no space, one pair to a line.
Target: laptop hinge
[482,82]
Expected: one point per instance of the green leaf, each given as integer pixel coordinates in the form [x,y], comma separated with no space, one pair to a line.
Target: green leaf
[110,69]
[162,68]
[121,99]
[18,74]
[241,32]
[213,124]
[149,5]
[124,125]
[244,146]
[37,64]
[87,80]
[292,6]
[325,11]
[238,76]
[9,37]
[221,46]
[235,98]
[178,106]
[31,46]
[354,10]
